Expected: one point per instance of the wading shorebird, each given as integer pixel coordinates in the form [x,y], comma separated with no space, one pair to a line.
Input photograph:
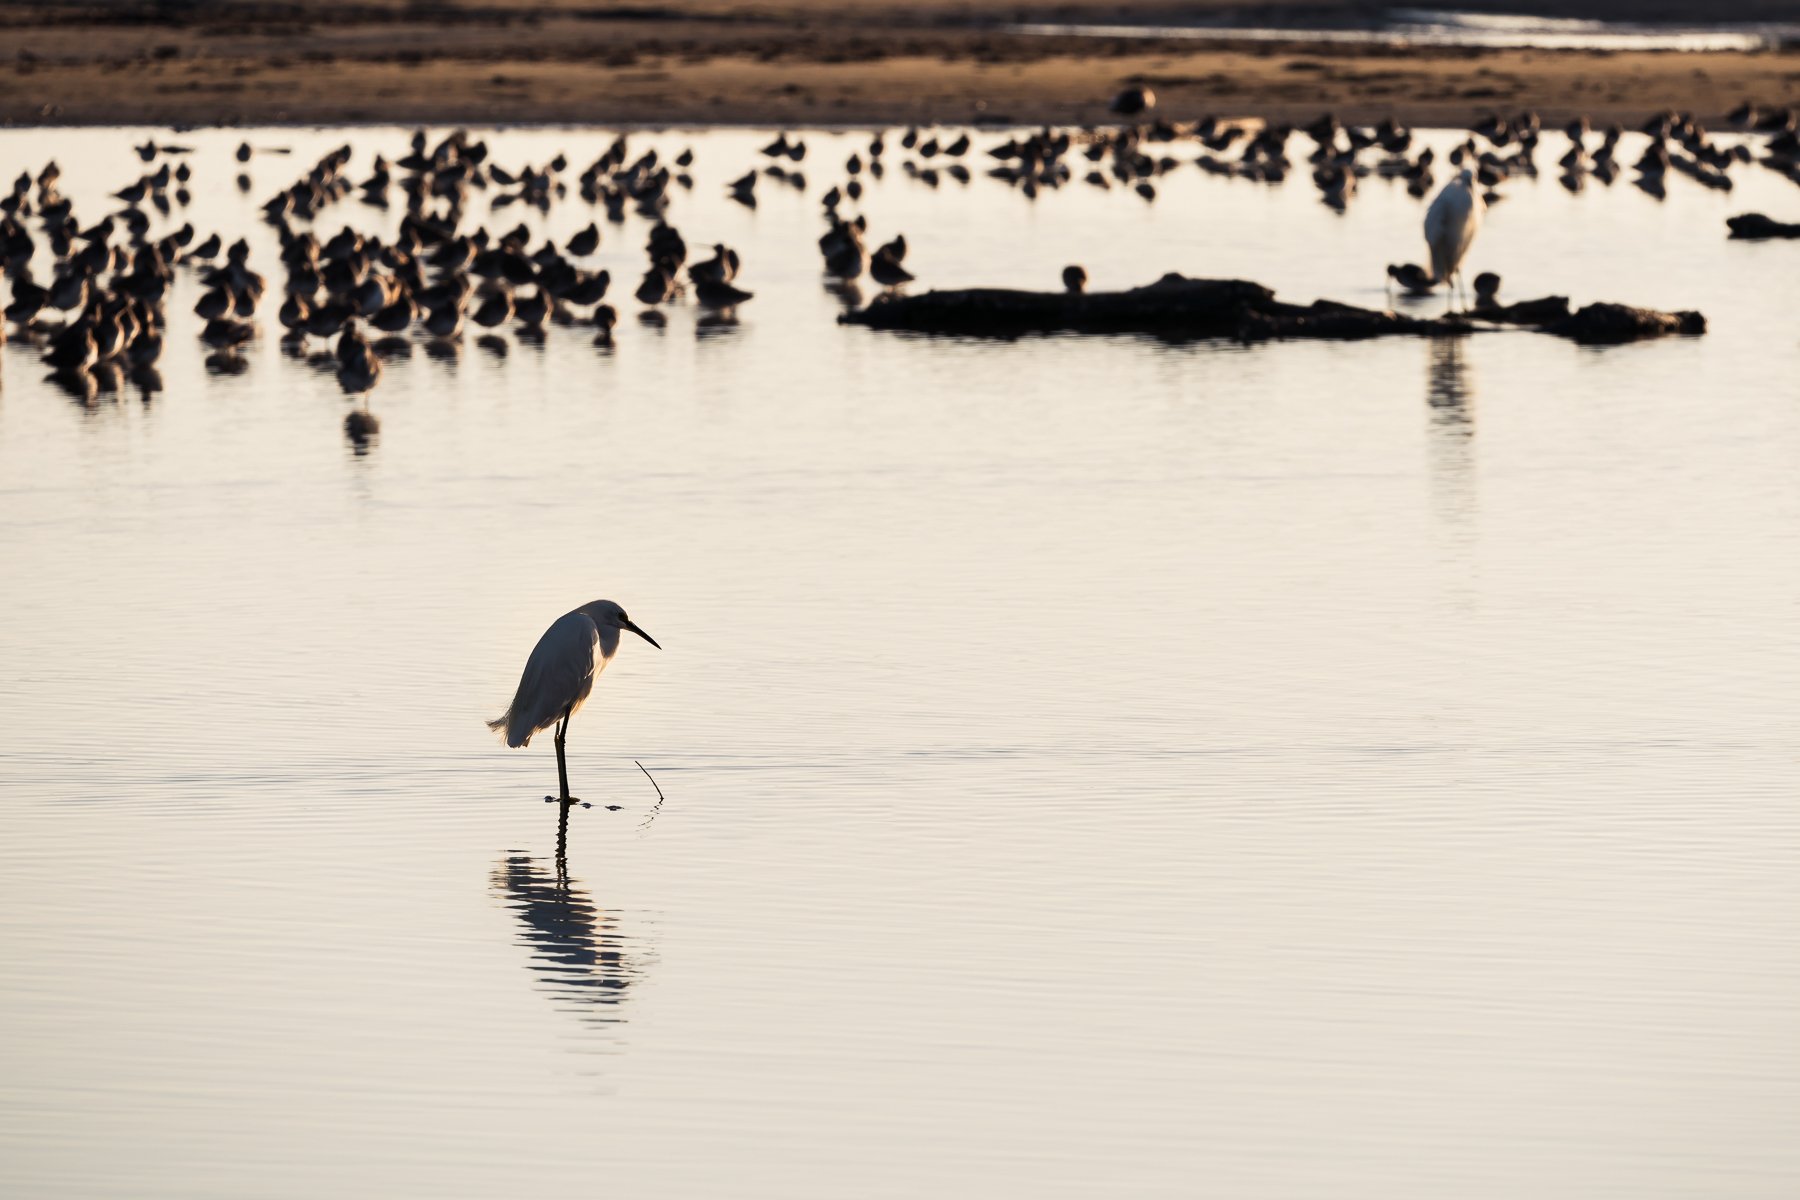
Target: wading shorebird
[559,675]
[1415,279]
[886,270]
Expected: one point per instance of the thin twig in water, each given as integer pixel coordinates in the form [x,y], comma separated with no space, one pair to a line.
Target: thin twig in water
[654,808]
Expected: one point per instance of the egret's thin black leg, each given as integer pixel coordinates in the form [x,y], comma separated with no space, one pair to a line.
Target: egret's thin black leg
[562,765]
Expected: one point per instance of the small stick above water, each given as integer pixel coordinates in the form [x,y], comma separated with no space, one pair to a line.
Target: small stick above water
[654,808]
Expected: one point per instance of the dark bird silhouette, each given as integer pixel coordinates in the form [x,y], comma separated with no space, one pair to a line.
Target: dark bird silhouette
[719,294]
[496,310]
[887,270]
[658,287]
[1415,279]
[1133,101]
[586,241]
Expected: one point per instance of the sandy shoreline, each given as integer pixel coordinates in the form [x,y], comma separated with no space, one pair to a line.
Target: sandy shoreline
[856,64]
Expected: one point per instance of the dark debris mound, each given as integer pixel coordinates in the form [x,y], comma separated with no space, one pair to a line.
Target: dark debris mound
[1755,226]
[1613,324]
[1181,308]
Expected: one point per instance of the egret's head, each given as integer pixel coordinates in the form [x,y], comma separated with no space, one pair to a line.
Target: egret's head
[607,615]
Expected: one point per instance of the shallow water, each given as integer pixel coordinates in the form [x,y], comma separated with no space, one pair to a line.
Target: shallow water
[1445,28]
[1093,766]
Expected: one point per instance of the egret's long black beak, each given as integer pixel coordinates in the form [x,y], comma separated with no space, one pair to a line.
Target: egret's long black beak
[643,635]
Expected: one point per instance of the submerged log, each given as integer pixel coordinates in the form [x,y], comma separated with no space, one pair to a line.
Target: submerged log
[1327,320]
[1177,307]
[1756,226]
[1188,307]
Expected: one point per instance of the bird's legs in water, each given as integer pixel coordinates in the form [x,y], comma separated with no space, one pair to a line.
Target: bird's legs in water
[562,774]
[562,763]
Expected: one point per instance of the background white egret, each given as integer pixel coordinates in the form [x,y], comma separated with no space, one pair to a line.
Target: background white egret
[559,675]
[1450,226]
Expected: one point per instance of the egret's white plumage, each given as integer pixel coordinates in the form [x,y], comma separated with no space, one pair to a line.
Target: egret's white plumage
[1451,223]
[560,673]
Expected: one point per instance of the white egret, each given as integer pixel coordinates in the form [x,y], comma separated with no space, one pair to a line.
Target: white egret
[1450,226]
[560,674]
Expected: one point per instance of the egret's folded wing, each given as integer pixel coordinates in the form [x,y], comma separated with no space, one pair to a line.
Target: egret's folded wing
[557,675]
[1471,222]
[1436,217]
[1447,221]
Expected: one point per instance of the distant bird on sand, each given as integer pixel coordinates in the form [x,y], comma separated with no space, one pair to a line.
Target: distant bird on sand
[559,675]
[1134,101]
[1075,279]
[1450,226]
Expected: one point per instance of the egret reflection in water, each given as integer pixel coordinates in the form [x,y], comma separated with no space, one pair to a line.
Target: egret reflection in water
[1448,389]
[1450,439]
[1450,450]
[576,948]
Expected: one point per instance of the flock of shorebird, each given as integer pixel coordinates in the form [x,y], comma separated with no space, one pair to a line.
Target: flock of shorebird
[100,318]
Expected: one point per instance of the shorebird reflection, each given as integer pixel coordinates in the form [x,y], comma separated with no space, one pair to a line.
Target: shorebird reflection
[846,291]
[577,952]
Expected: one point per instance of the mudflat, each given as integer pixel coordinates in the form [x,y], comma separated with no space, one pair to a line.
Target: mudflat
[807,62]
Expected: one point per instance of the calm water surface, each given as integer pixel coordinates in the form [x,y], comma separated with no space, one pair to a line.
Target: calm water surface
[1093,767]
[1444,28]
